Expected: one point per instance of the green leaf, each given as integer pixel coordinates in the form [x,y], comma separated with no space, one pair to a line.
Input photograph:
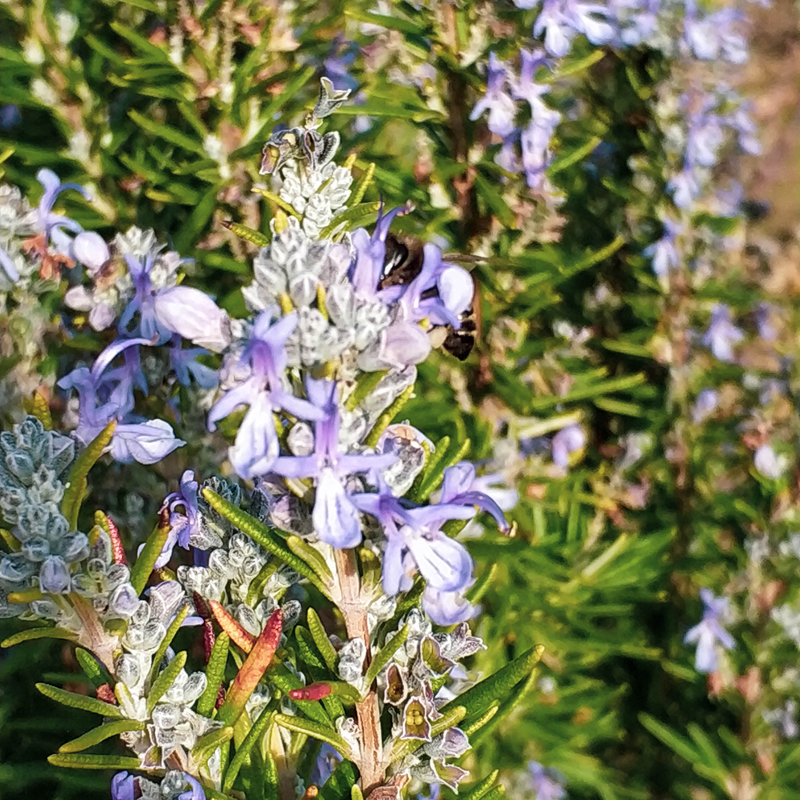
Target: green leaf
[680,745]
[100,734]
[91,667]
[321,639]
[215,672]
[254,736]
[357,195]
[82,761]
[478,699]
[384,655]
[315,731]
[311,556]
[165,679]
[141,43]
[142,569]
[262,535]
[475,726]
[319,670]
[355,215]
[278,201]
[385,419]
[166,132]
[498,793]
[248,234]
[76,482]
[570,158]
[340,784]
[209,743]
[365,383]
[73,700]
[495,202]
[38,633]
[482,788]
[167,641]
[391,23]
[197,221]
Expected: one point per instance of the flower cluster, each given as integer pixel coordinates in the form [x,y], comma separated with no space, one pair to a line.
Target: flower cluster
[533,140]
[305,388]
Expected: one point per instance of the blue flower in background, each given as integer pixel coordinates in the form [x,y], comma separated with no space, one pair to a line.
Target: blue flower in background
[709,632]
[722,334]
[547,783]
[497,101]
[567,441]
[664,252]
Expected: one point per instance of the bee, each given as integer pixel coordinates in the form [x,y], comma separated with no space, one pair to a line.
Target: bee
[402,263]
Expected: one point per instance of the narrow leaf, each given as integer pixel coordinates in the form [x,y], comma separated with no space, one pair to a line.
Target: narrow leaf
[209,743]
[383,421]
[278,201]
[165,679]
[354,215]
[40,409]
[262,535]
[167,641]
[364,385]
[100,734]
[482,788]
[248,234]
[81,761]
[311,556]
[361,187]
[315,731]
[253,738]
[79,701]
[340,785]
[215,671]
[238,635]
[38,633]
[142,569]
[384,655]
[77,479]
[321,639]
[91,667]
[478,699]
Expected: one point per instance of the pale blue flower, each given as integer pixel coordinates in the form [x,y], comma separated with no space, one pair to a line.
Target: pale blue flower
[567,441]
[415,541]
[722,334]
[109,396]
[263,391]
[709,632]
[704,405]
[548,783]
[497,101]
[447,608]
[462,487]
[336,519]
[664,252]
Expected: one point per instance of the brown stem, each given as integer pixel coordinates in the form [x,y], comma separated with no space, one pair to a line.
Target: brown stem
[354,610]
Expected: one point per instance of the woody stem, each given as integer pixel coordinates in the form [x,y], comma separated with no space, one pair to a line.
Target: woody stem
[354,610]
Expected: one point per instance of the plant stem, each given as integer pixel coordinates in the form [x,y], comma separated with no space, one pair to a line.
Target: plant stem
[353,606]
